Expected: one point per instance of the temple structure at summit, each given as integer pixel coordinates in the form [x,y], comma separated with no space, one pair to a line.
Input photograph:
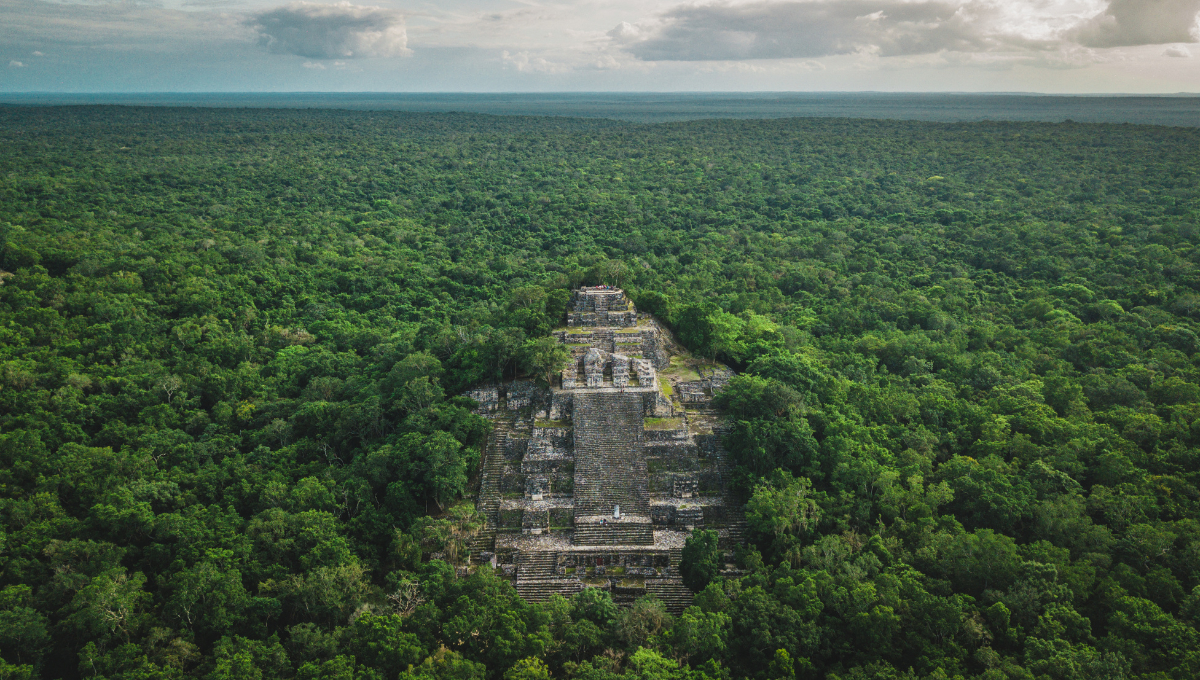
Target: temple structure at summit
[597,480]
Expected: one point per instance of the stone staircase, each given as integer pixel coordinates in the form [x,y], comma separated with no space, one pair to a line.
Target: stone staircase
[609,467]
[615,533]
[602,338]
[536,577]
[489,486]
[536,565]
[610,470]
[734,533]
[540,590]
[672,592]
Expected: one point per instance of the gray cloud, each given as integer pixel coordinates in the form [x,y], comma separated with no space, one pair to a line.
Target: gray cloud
[1141,22]
[774,30]
[817,28]
[122,26]
[341,31]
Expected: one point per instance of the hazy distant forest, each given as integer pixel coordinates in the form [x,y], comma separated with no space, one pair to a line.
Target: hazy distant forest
[967,421]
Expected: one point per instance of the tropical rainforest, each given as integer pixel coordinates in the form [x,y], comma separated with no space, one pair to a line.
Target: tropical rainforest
[233,345]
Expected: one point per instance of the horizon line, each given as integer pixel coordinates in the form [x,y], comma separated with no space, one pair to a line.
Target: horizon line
[595,92]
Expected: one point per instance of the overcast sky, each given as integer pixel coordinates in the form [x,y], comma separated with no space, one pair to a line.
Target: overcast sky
[599,45]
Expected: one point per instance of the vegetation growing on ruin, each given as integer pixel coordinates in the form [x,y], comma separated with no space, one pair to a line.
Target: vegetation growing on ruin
[967,423]
[663,423]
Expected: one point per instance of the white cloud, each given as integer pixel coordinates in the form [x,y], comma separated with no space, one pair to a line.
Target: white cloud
[16,64]
[209,4]
[606,62]
[808,29]
[37,54]
[340,31]
[527,63]
[627,32]
[588,45]
[803,29]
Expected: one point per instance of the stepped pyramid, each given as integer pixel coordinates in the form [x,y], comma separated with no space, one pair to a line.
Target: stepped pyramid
[597,480]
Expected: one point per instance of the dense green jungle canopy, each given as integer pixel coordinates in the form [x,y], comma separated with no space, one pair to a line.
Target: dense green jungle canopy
[967,425]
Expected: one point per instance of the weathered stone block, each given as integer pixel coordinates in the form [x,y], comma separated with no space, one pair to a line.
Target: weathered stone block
[535,521]
[689,516]
[537,487]
[684,488]
[662,515]
[488,398]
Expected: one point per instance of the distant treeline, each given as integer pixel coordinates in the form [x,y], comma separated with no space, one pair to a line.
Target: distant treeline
[659,107]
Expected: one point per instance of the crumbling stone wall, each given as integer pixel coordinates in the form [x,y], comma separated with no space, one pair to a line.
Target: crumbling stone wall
[601,306]
[488,398]
[593,368]
[620,370]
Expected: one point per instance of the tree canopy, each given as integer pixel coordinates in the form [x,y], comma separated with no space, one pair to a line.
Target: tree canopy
[966,423]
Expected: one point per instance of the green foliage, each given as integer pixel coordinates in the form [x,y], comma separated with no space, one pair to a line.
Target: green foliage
[770,429]
[595,605]
[544,358]
[528,669]
[697,635]
[701,561]
[445,664]
[382,643]
[966,424]
[783,508]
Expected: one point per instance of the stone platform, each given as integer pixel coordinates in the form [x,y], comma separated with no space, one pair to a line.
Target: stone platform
[547,564]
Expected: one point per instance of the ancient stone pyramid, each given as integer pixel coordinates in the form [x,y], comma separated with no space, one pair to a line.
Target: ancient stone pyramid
[595,481]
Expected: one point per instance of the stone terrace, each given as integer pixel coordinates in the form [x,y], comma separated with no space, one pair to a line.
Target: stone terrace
[601,306]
